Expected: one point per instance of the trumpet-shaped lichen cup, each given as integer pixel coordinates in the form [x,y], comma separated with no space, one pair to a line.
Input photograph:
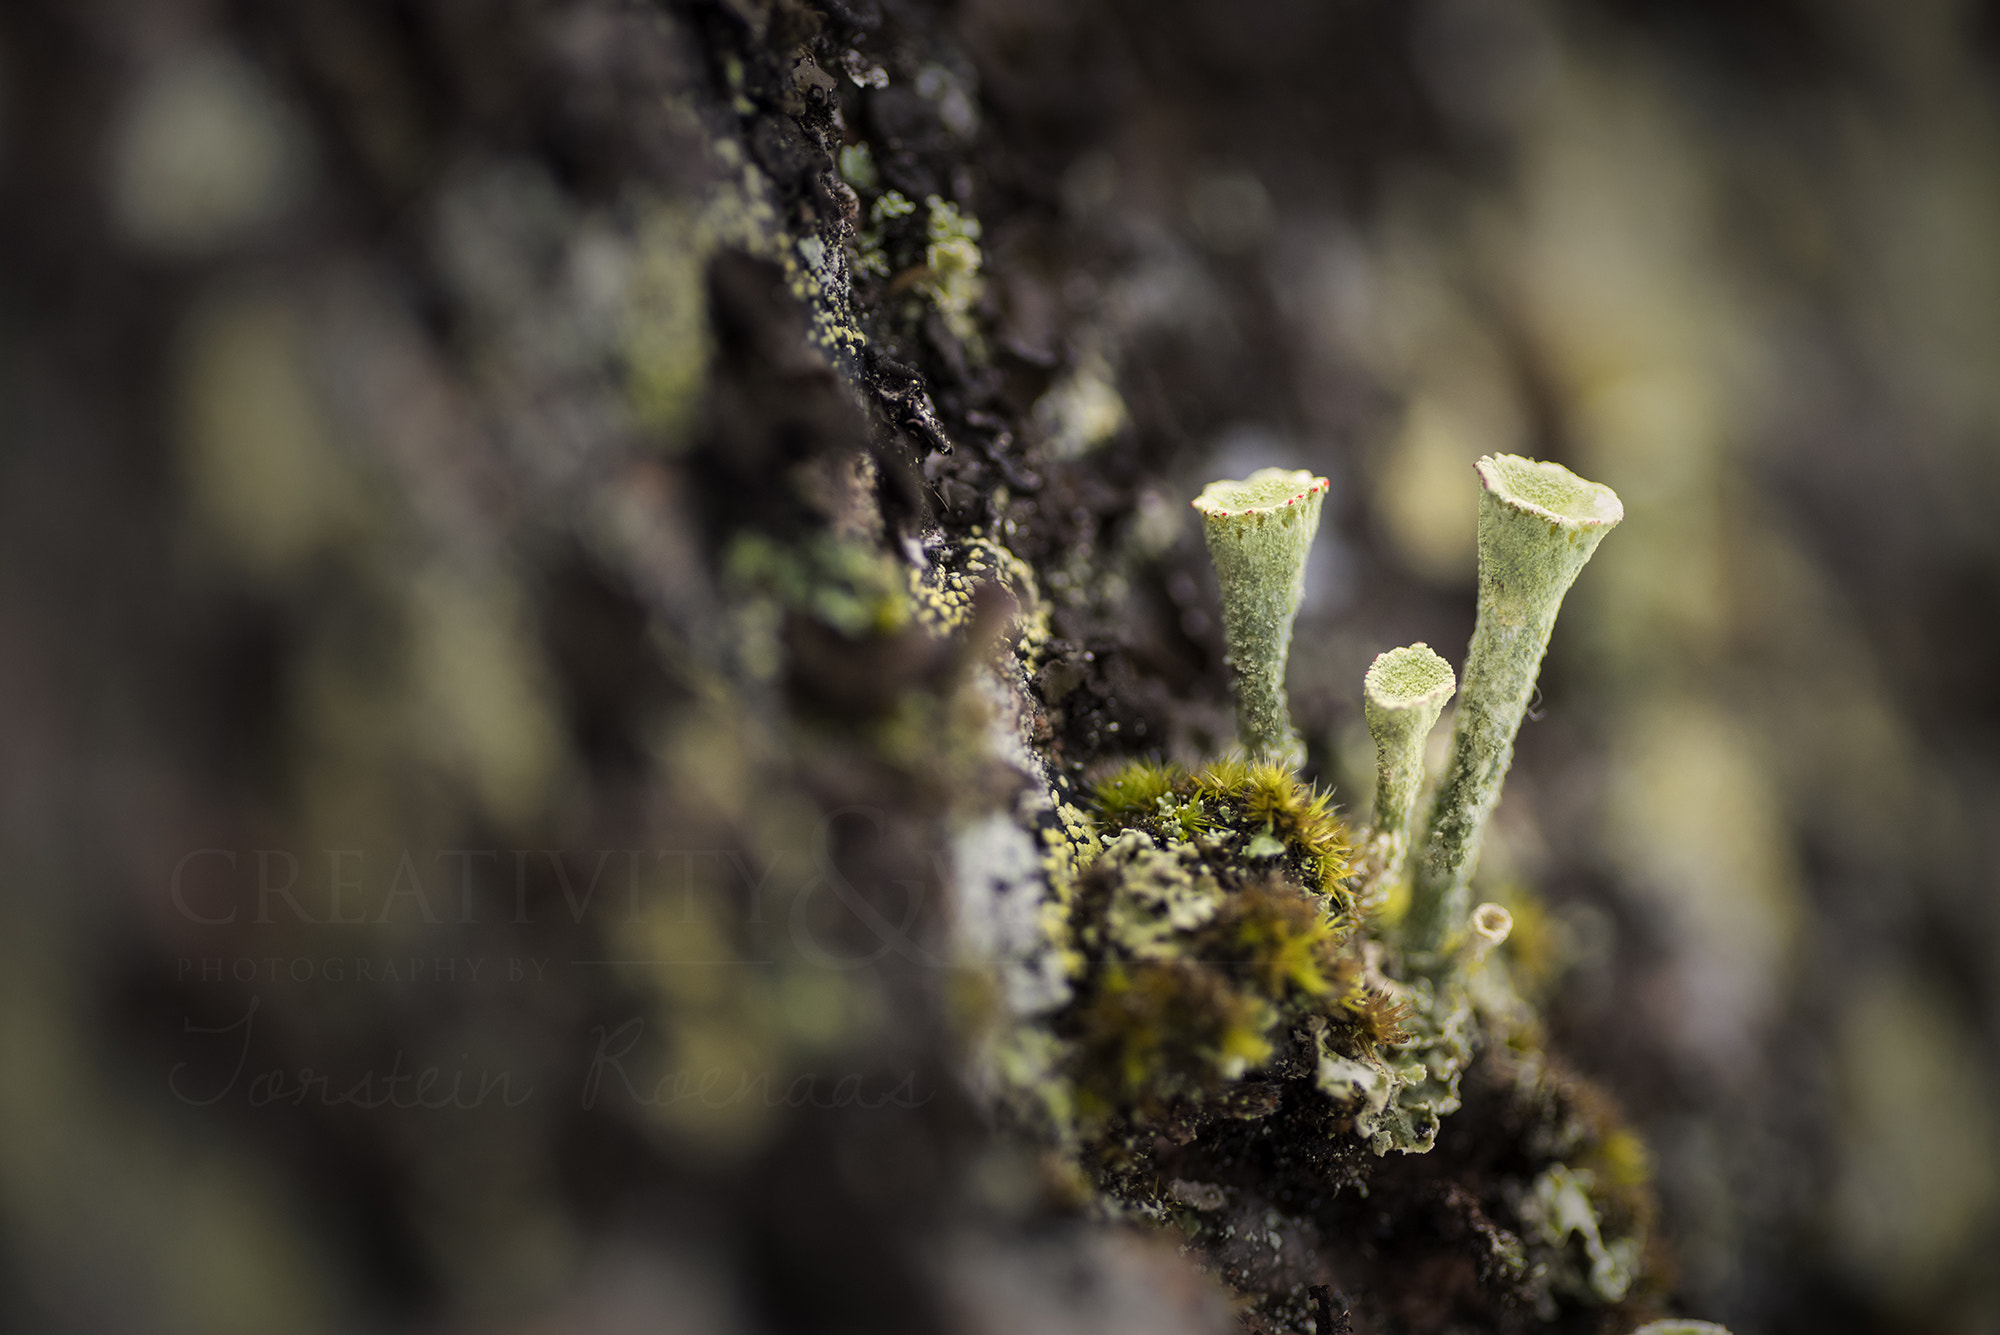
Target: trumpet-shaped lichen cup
[1259,531]
[1539,523]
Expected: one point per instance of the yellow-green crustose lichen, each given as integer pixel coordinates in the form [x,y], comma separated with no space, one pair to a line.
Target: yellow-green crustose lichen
[952,258]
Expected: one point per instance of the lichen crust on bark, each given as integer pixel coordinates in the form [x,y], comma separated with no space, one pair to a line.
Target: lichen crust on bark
[1259,531]
[1539,523]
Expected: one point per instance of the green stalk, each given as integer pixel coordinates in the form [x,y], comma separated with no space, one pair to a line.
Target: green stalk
[1259,531]
[1539,523]
[1403,693]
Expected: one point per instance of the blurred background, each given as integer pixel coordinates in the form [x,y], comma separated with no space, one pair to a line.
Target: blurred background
[376,459]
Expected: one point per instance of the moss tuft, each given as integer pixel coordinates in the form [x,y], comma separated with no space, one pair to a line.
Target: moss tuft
[1223,778]
[1136,789]
[1382,1020]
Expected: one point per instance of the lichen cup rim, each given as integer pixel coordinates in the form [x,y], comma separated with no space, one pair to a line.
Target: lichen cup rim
[1538,487]
[1380,686]
[1224,499]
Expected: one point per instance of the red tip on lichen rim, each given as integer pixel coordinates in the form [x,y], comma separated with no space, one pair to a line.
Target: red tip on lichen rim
[1318,484]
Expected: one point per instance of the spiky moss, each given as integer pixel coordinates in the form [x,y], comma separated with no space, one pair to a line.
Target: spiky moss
[1260,809]
[1158,1031]
[1188,987]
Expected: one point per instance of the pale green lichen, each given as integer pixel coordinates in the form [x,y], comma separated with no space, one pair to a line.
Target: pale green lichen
[857,166]
[1366,1088]
[1539,523]
[1259,531]
[1433,1059]
[1558,1207]
[1488,927]
[952,260]
[1402,695]
[892,204]
[1081,411]
[1159,895]
[849,586]
[870,253]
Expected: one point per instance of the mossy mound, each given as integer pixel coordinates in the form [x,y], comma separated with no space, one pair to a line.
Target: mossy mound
[1241,1063]
[1217,934]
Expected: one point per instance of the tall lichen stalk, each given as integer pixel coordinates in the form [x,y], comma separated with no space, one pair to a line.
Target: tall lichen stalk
[1259,531]
[1539,523]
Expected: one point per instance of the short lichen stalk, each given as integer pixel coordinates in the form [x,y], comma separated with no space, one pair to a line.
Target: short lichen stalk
[1539,523]
[1489,927]
[1259,531]
[1402,695]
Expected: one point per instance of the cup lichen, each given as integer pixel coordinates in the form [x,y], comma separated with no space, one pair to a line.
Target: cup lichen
[1402,695]
[1539,523]
[1259,531]
[1489,926]
[1229,995]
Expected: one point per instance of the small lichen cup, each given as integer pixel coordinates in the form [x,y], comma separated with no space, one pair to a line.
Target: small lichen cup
[1539,524]
[1489,926]
[1402,694]
[1259,531]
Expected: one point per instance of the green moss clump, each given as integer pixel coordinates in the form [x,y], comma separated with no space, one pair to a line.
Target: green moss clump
[1283,940]
[1213,925]
[1157,1031]
[1136,790]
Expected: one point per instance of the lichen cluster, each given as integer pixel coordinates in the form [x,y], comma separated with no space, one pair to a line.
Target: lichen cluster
[1216,954]
[1228,1024]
